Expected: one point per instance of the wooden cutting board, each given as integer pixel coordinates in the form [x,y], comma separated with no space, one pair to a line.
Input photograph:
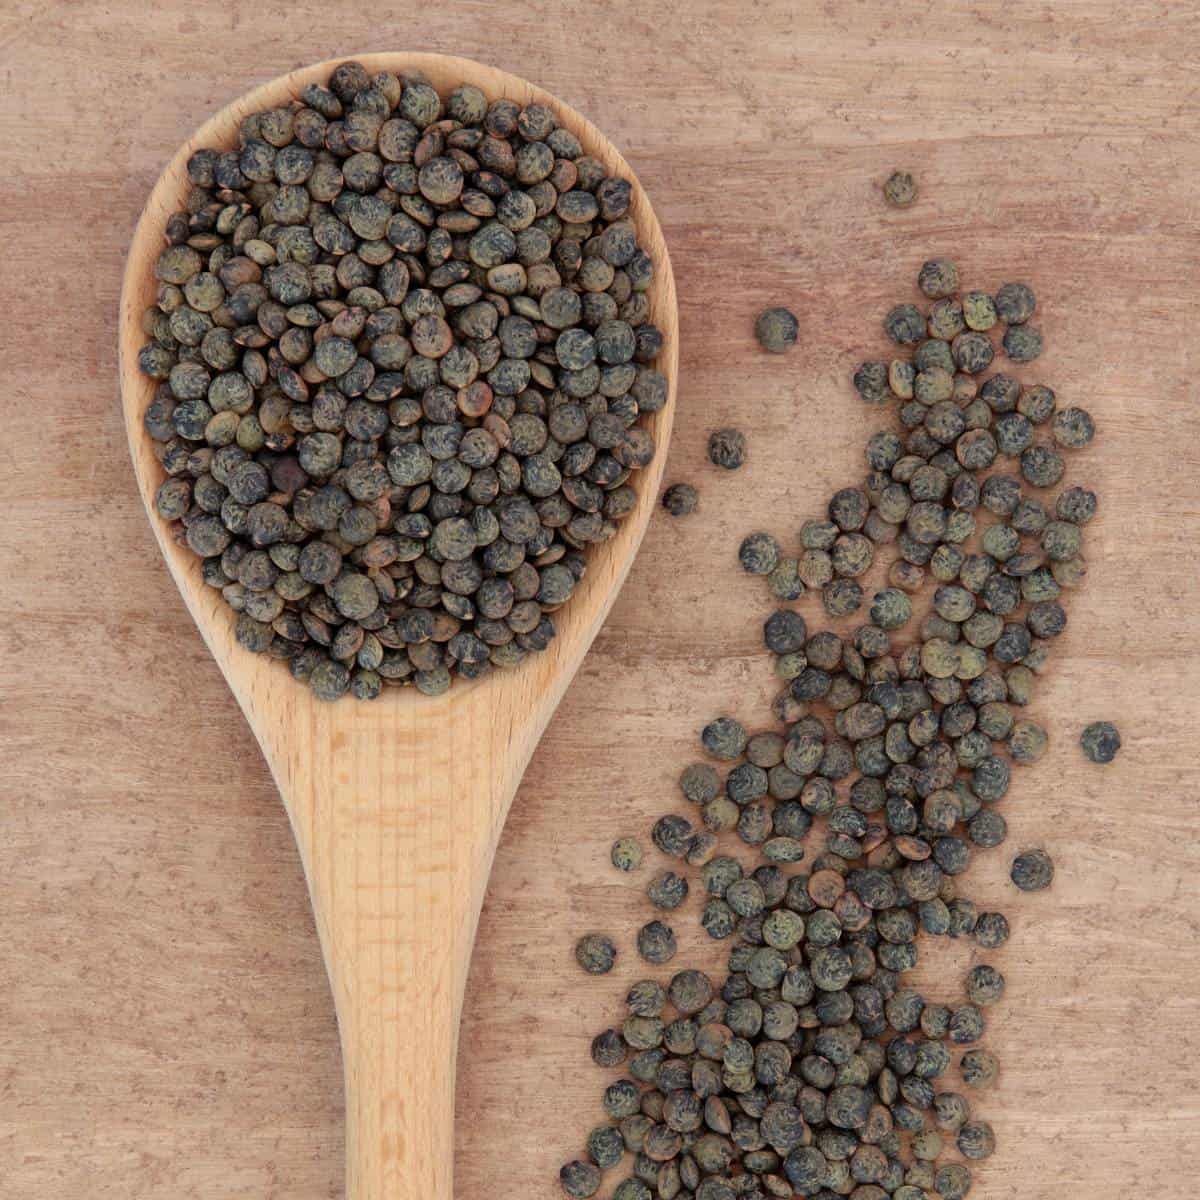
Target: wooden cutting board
[167,1028]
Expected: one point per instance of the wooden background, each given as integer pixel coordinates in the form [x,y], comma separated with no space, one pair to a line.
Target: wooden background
[165,1025]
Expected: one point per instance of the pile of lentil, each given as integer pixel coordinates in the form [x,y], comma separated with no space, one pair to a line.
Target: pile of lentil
[814,1069]
[402,345]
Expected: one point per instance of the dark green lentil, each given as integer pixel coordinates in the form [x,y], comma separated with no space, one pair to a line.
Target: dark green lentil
[700,783]
[1027,742]
[966,1025]
[946,319]
[656,942]
[972,352]
[1073,428]
[776,330]
[901,379]
[1100,741]
[905,324]
[596,954]
[626,854]
[938,277]
[1037,403]
[979,311]
[667,890]
[1041,466]
[976,1140]
[979,1068]
[1075,504]
[1032,871]
[871,382]
[985,985]
[724,738]
[680,499]
[899,189]
[785,581]
[608,1048]
[605,1146]
[672,835]
[1015,303]
[759,554]
[991,930]
[622,1098]
[580,1179]
[952,1181]
[1022,343]
[727,448]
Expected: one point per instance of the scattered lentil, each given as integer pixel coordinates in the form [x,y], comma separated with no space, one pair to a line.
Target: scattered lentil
[776,330]
[680,499]
[626,854]
[899,190]
[727,448]
[596,954]
[1100,741]
[1032,871]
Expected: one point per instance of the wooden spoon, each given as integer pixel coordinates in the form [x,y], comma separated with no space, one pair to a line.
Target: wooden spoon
[396,804]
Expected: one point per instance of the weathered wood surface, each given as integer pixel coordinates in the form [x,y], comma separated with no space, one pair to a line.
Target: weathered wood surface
[168,1029]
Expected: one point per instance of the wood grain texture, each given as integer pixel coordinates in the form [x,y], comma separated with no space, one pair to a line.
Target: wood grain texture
[168,1029]
[396,805]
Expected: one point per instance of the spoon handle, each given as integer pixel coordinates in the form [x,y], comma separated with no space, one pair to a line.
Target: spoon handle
[397,827]
[399,950]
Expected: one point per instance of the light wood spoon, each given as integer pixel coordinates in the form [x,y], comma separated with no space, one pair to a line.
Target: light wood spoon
[396,804]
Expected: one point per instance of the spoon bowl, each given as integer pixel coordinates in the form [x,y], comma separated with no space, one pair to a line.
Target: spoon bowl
[396,804]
